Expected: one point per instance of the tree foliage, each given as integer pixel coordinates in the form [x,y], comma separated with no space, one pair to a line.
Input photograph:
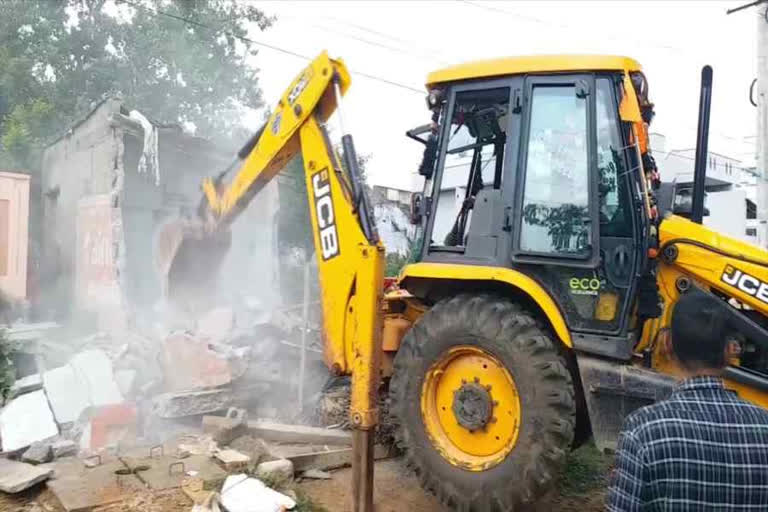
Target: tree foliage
[58,58]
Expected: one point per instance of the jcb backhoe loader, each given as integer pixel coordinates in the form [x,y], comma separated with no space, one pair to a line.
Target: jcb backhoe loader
[544,284]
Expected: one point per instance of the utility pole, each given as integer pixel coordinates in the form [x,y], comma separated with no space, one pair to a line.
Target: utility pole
[762,124]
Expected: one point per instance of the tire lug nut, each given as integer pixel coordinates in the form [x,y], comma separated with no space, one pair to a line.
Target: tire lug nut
[463,381]
[494,403]
[494,420]
[477,380]
[488,387]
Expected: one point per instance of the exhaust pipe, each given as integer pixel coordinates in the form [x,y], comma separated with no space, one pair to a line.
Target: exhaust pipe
[702,140]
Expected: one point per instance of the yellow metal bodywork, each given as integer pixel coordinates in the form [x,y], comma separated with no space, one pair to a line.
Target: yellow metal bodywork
[531,64]
[481,449]
[350,267]
[505,275]
[705,269]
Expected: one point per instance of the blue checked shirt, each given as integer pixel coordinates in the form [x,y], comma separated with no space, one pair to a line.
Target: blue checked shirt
[701,449]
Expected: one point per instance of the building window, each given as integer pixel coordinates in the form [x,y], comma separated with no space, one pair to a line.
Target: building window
[751,231]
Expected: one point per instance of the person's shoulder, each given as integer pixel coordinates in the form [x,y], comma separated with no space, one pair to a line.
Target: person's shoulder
[639,420]
[756,413]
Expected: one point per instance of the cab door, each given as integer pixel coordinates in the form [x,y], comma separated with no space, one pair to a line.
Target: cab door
[574,221]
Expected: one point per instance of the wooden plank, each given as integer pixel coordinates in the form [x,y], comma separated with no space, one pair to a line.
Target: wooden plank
[281,432]
[333,459]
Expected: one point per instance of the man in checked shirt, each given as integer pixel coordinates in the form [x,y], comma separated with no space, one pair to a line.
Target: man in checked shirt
[703,448]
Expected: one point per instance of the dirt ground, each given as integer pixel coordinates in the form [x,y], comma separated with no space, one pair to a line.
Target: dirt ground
[581,489]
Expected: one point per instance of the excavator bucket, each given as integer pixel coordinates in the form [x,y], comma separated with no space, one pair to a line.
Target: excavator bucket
[187,259]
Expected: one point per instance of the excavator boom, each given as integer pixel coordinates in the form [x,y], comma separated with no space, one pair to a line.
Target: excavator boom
[350,256]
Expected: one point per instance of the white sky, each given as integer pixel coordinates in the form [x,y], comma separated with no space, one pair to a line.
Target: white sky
[402,41]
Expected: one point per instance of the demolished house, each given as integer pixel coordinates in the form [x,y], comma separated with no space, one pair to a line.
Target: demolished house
[108,184]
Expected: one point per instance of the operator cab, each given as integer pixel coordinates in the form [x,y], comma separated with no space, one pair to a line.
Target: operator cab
[528,165]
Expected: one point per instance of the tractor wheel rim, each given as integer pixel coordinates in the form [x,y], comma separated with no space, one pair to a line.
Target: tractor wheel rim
[471,408]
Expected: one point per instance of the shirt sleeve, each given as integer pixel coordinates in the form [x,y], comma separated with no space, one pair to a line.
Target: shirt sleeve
[629,479]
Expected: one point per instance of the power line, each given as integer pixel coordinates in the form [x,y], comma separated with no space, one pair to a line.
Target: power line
[262,44]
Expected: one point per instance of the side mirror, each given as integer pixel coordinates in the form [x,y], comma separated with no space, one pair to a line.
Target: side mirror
[417,210]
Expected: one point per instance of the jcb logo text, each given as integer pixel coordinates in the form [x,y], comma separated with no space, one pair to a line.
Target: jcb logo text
[326,219]
[745,282]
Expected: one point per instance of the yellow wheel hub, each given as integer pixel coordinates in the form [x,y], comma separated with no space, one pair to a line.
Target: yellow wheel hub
[471,408]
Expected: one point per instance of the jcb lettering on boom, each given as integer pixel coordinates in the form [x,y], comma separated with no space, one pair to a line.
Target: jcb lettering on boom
[326,219]
[745,282]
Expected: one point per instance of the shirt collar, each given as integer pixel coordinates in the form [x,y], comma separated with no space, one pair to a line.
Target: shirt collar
[702,382]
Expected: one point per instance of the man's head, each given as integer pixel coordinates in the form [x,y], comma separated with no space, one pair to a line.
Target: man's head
[700,332]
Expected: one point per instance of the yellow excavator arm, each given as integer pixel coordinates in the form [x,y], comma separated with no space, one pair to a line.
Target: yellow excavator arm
[350,256]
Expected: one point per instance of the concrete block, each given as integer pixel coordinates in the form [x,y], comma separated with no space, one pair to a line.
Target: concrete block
[80,488]
[168,472]
[39,452]
[63,448]
[192,403]
[232,460]
[275,469]
[332,459]
[26,419]
[17,476]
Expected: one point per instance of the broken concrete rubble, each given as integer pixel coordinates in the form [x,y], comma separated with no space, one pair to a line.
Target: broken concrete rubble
[26,419]
[189,363]
[17,476]
[281,469]
[232,460]
[39,452]
[63,448]
[191,403]
[26,385]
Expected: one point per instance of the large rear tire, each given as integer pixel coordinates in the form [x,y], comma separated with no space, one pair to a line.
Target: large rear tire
[483,404]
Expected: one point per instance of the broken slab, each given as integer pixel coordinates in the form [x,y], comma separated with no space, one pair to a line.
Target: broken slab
[39,452]
[189,363]
[332,459]
[282,432]
[191,403]
[168,472]
[79,488]
[86,381]
[17,476]
[26,419]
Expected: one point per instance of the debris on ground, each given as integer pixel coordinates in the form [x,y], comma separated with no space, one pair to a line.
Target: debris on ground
[316,474]
[39,452]
[232,460]
[244,494]
[26,419]
[17,476]
[280,470]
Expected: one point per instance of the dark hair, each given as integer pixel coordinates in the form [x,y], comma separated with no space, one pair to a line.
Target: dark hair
[699,331]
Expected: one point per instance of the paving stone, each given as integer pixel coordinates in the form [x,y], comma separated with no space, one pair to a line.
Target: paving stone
[26,419]
[17,476]
[39,452]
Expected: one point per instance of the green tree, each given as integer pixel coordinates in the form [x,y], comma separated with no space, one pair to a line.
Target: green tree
[59,57]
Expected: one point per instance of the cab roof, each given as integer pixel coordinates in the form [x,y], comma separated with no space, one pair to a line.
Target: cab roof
[532,64]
